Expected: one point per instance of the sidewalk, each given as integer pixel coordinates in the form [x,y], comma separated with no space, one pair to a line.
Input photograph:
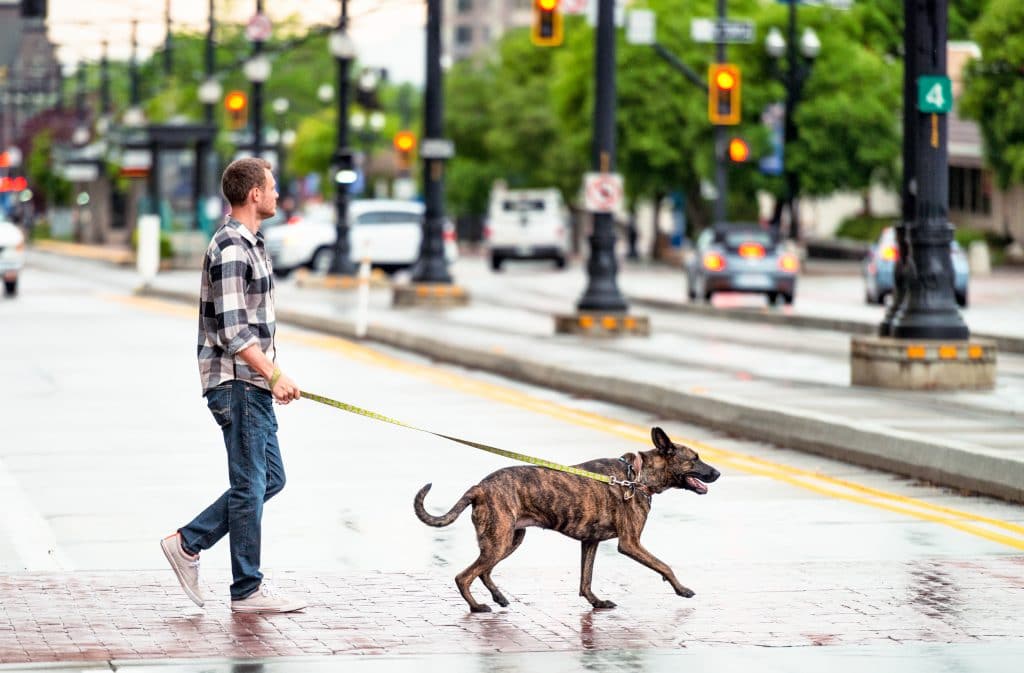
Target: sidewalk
[966,440]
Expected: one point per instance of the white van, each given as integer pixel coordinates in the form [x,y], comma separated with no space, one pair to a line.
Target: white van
[527,224]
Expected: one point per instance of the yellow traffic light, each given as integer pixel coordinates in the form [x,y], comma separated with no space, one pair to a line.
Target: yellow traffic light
[235,103]
[724,87]
[739,151]
[547,24]
[404,142]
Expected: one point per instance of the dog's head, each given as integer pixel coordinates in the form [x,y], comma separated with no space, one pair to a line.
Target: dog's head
[684,467]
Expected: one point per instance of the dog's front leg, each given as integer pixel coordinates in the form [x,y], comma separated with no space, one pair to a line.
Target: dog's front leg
[587,574]
[633,549]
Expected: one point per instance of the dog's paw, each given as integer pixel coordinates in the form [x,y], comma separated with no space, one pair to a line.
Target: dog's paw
[501,600]
[685,593]
[603,605]
[480,608]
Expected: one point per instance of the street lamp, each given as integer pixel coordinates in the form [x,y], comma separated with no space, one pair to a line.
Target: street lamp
[325,93]
[794,78]
[210,92]
[257,71]
[343,50]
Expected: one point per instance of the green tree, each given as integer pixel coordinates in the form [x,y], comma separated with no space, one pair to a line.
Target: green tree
[994,88]
[39,168]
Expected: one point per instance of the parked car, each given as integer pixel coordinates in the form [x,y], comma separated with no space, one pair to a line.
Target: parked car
[527,224]
[741,257]
[879,269]
[388,232]
[12,256]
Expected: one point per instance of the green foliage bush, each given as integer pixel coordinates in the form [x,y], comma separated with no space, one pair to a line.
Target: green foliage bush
[863,227]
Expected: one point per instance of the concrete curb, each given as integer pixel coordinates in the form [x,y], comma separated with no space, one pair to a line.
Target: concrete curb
[947,463]
[1003,343]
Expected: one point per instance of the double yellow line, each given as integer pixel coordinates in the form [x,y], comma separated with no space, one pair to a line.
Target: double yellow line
[995,530]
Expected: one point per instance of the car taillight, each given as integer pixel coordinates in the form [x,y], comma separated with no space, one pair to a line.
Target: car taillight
[449,234]
[294,219]
[713,261]
[789,263]
[487,233]
[890,253]
[751,250]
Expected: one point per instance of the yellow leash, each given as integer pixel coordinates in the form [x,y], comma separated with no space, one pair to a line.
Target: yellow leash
[352,409]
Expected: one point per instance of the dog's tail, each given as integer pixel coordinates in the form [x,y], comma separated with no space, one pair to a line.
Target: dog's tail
[445,519]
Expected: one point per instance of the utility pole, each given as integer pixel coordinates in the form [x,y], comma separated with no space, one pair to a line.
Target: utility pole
[257,96]
[133,66]
[210,59]
[929,308]
[721,176]
[789,134]
[602,293]
[432,267]
[104,82]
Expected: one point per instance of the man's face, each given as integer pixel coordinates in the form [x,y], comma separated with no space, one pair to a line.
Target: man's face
[266,197]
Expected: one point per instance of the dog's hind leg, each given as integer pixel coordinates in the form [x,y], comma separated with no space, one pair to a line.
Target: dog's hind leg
[485,576]
[636,551]
[587,574]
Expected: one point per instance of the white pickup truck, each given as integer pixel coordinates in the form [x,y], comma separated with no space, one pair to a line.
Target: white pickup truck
[12,256]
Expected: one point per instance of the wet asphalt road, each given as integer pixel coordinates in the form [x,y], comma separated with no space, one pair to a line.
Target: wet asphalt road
[107,446]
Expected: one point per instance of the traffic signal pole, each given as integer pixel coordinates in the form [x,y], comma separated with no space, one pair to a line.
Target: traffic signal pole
[602,293]
[929,308]
[721,176]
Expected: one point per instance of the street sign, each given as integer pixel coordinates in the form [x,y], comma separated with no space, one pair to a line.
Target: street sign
[602,192]
[934,94]
[722,30]
[640,27]
[437,148]
[258,29]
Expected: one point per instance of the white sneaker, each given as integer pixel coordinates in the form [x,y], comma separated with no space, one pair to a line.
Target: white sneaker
[184,566]
[267,599]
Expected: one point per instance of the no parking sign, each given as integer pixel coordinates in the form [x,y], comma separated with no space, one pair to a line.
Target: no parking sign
[602,192]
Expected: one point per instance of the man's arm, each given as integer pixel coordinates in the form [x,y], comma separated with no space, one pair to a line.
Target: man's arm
[283,389]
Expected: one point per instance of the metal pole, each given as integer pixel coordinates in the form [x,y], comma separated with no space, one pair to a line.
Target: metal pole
[168,40]
[257,97]
[133,65]
[432,267]
[908,190]
[721,176]
[104,82]
[342,264]
[930,310]
[602,293]
[792,94]
[211,61]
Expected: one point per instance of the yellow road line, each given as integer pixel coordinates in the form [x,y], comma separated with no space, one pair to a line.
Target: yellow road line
[821,484]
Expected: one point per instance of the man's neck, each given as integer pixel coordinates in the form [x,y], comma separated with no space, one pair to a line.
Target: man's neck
[248,217]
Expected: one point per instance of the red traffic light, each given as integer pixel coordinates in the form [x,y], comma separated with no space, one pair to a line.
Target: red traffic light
[547,5]
[725,80]
[404,141]
[724,88]
[739,151]
[235,101]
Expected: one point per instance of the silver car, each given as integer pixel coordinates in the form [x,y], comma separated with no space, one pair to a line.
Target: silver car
[741,257]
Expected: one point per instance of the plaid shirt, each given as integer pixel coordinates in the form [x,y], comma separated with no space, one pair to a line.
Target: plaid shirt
[236,305]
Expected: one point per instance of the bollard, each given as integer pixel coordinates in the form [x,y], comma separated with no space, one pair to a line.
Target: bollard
[363,297]
[147,257]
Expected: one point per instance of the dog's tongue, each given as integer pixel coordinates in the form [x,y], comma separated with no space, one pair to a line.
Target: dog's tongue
[697,485]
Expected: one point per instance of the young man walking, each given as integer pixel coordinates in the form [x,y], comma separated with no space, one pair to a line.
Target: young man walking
[240,382]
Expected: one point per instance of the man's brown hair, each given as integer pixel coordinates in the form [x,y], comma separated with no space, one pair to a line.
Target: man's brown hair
[241,176]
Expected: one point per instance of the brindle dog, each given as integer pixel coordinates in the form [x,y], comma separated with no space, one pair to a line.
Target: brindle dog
[506,502]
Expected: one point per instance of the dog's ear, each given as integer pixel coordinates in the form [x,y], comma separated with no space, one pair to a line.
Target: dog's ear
[662,442]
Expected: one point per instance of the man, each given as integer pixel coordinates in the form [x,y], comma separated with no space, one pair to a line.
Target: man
[240,382]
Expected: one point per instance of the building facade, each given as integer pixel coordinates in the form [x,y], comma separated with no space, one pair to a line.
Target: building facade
[29,71]
[472,25]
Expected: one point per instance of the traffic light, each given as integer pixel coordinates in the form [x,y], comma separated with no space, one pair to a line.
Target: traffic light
[236,103]
[724,85]
[547,24]
[739,150]
[404,142]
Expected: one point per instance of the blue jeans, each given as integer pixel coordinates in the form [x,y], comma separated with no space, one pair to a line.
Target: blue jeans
[245,414]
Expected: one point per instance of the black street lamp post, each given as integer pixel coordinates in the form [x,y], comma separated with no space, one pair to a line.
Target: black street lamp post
[257,70]
[432,267]
[602,293]
[343,51]
[797,71]
[928,310]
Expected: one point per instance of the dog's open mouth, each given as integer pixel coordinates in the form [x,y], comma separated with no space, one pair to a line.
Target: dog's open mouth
[696,485]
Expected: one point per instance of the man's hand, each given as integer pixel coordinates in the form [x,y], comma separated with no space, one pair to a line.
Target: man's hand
[285,390]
